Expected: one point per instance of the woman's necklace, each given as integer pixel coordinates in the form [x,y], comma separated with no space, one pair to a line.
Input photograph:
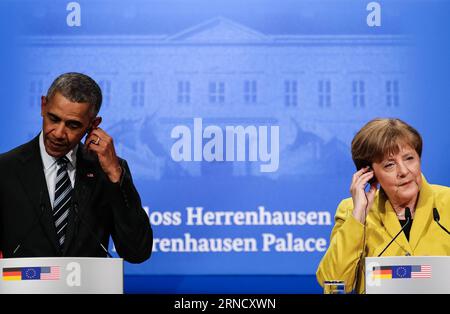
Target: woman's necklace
[401,214]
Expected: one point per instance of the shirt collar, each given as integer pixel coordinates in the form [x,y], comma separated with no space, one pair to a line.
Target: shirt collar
[49,161]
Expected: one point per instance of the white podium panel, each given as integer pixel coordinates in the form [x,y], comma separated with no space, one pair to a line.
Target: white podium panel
[408,274]
[61,275]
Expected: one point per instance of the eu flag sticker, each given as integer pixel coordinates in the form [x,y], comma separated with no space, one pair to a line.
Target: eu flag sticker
[31,273]
[401,271]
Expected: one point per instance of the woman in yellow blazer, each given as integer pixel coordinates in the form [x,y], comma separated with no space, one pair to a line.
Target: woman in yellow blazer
[387,153]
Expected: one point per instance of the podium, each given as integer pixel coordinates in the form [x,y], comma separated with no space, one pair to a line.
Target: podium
[408,274]
[61,275]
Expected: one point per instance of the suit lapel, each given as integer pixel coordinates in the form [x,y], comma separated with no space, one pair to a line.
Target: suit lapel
[423,213]
[85,182]
[32,178]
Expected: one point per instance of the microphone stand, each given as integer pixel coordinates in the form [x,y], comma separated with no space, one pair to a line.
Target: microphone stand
[408,221]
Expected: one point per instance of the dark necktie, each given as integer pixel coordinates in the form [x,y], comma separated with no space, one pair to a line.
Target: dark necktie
[63,195]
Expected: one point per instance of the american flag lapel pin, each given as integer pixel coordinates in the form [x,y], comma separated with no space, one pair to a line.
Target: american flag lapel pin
[90,175]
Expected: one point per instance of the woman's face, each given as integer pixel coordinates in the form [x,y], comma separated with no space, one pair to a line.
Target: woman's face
[400,175]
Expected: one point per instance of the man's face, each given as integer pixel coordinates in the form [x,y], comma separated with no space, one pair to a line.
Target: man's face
[64,123]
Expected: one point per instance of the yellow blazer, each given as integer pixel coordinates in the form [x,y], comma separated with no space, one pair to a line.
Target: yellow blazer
[346,243]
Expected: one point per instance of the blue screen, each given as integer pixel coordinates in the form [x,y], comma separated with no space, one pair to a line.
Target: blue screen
[235,117]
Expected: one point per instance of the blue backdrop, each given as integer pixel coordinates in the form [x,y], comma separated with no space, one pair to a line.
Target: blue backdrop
[235,117]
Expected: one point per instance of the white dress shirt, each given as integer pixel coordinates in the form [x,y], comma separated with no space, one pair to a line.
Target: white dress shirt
[51,167]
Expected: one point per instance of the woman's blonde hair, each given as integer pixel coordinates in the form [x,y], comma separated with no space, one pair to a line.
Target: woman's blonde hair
[383,137]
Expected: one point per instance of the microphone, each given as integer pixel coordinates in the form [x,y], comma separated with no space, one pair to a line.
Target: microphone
[436,218]
[75,207]
[408,221]
[36,221]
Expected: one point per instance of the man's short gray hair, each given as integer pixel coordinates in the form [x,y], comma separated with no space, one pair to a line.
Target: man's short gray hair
[77,87]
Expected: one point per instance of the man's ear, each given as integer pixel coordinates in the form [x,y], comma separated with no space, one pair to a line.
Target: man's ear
[43,104]
[96,122]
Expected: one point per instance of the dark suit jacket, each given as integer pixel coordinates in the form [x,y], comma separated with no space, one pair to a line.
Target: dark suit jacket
[100,209]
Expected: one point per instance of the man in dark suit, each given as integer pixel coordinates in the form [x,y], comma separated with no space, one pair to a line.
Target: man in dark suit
[59,197]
